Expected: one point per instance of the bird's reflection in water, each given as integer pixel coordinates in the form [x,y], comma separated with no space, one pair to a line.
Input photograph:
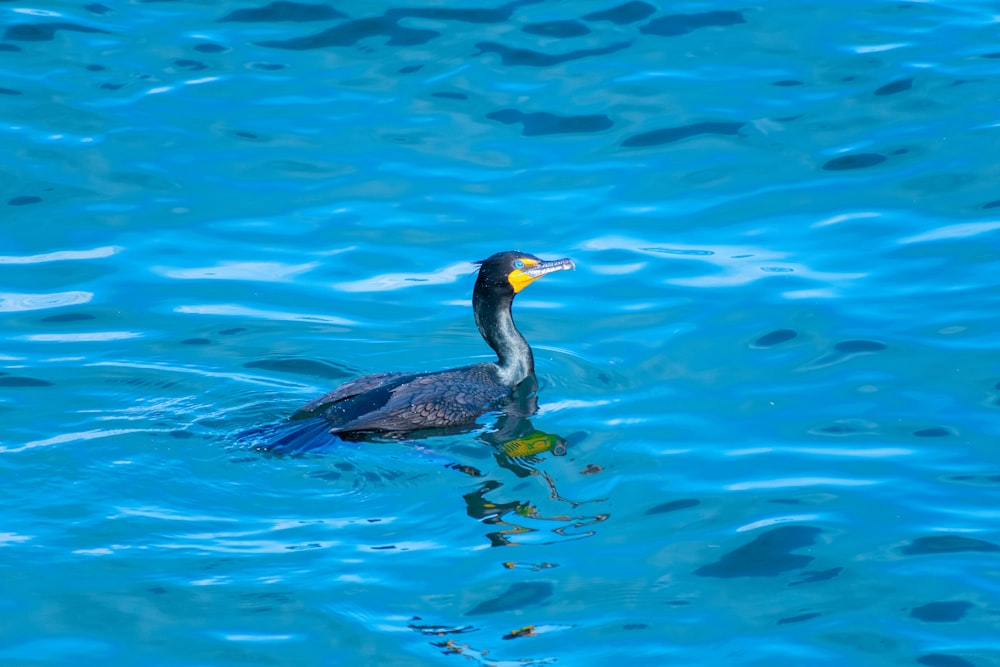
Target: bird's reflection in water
[519,447]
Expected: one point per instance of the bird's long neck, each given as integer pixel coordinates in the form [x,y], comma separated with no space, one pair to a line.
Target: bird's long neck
[497,328]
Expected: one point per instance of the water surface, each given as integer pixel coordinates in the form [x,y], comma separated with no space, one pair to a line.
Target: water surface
[775,370]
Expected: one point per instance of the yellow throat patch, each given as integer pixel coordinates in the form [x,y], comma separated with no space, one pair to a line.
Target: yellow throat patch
[519,279]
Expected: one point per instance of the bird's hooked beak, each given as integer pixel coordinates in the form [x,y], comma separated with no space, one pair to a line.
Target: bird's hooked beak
[532,271]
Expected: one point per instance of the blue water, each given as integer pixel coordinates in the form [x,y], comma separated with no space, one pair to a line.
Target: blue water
[775,371]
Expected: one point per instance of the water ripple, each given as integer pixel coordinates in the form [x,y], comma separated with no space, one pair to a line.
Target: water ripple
[251,271]
[741,264]
[61,255]
[955,231]
[801,482]
[88,337]
[64,438]
[237,310]
[394,281]
[11,302]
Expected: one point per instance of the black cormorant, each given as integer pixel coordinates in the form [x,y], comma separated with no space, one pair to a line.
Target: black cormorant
[400,402]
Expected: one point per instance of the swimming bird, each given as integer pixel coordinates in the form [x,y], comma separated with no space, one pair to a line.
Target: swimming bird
[401,402]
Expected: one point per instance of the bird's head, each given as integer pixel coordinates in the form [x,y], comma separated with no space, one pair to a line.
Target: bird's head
[511,271]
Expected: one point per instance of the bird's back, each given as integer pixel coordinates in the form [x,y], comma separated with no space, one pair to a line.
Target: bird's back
[408,402]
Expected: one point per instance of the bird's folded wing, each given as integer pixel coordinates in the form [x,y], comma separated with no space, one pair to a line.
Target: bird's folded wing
[344,391]
[435,400]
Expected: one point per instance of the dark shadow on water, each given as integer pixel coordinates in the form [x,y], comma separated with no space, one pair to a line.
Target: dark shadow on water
[674,506]
[669,135]
[196,341]
[190,65]
[22,381]
[559,29]
[302,366]
[527,57]
[68,317]
[814,576]
[941,612]
[352,32]
[536,124]
[446,95]
[775,338]
[44,32]
[943,660]
[501,14]
[798,619]
[681,24]
[858,346]
[630,12]
[895,87]
[23,200]
[855,161]
[284,11]
[388,25]
[945,544]
[210,47]
[768,555]
[932,432]
[519,595]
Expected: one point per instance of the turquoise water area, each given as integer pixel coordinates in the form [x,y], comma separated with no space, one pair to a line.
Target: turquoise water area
[769,405]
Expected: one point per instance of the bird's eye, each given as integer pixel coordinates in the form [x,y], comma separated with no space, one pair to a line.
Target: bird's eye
[518,264]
